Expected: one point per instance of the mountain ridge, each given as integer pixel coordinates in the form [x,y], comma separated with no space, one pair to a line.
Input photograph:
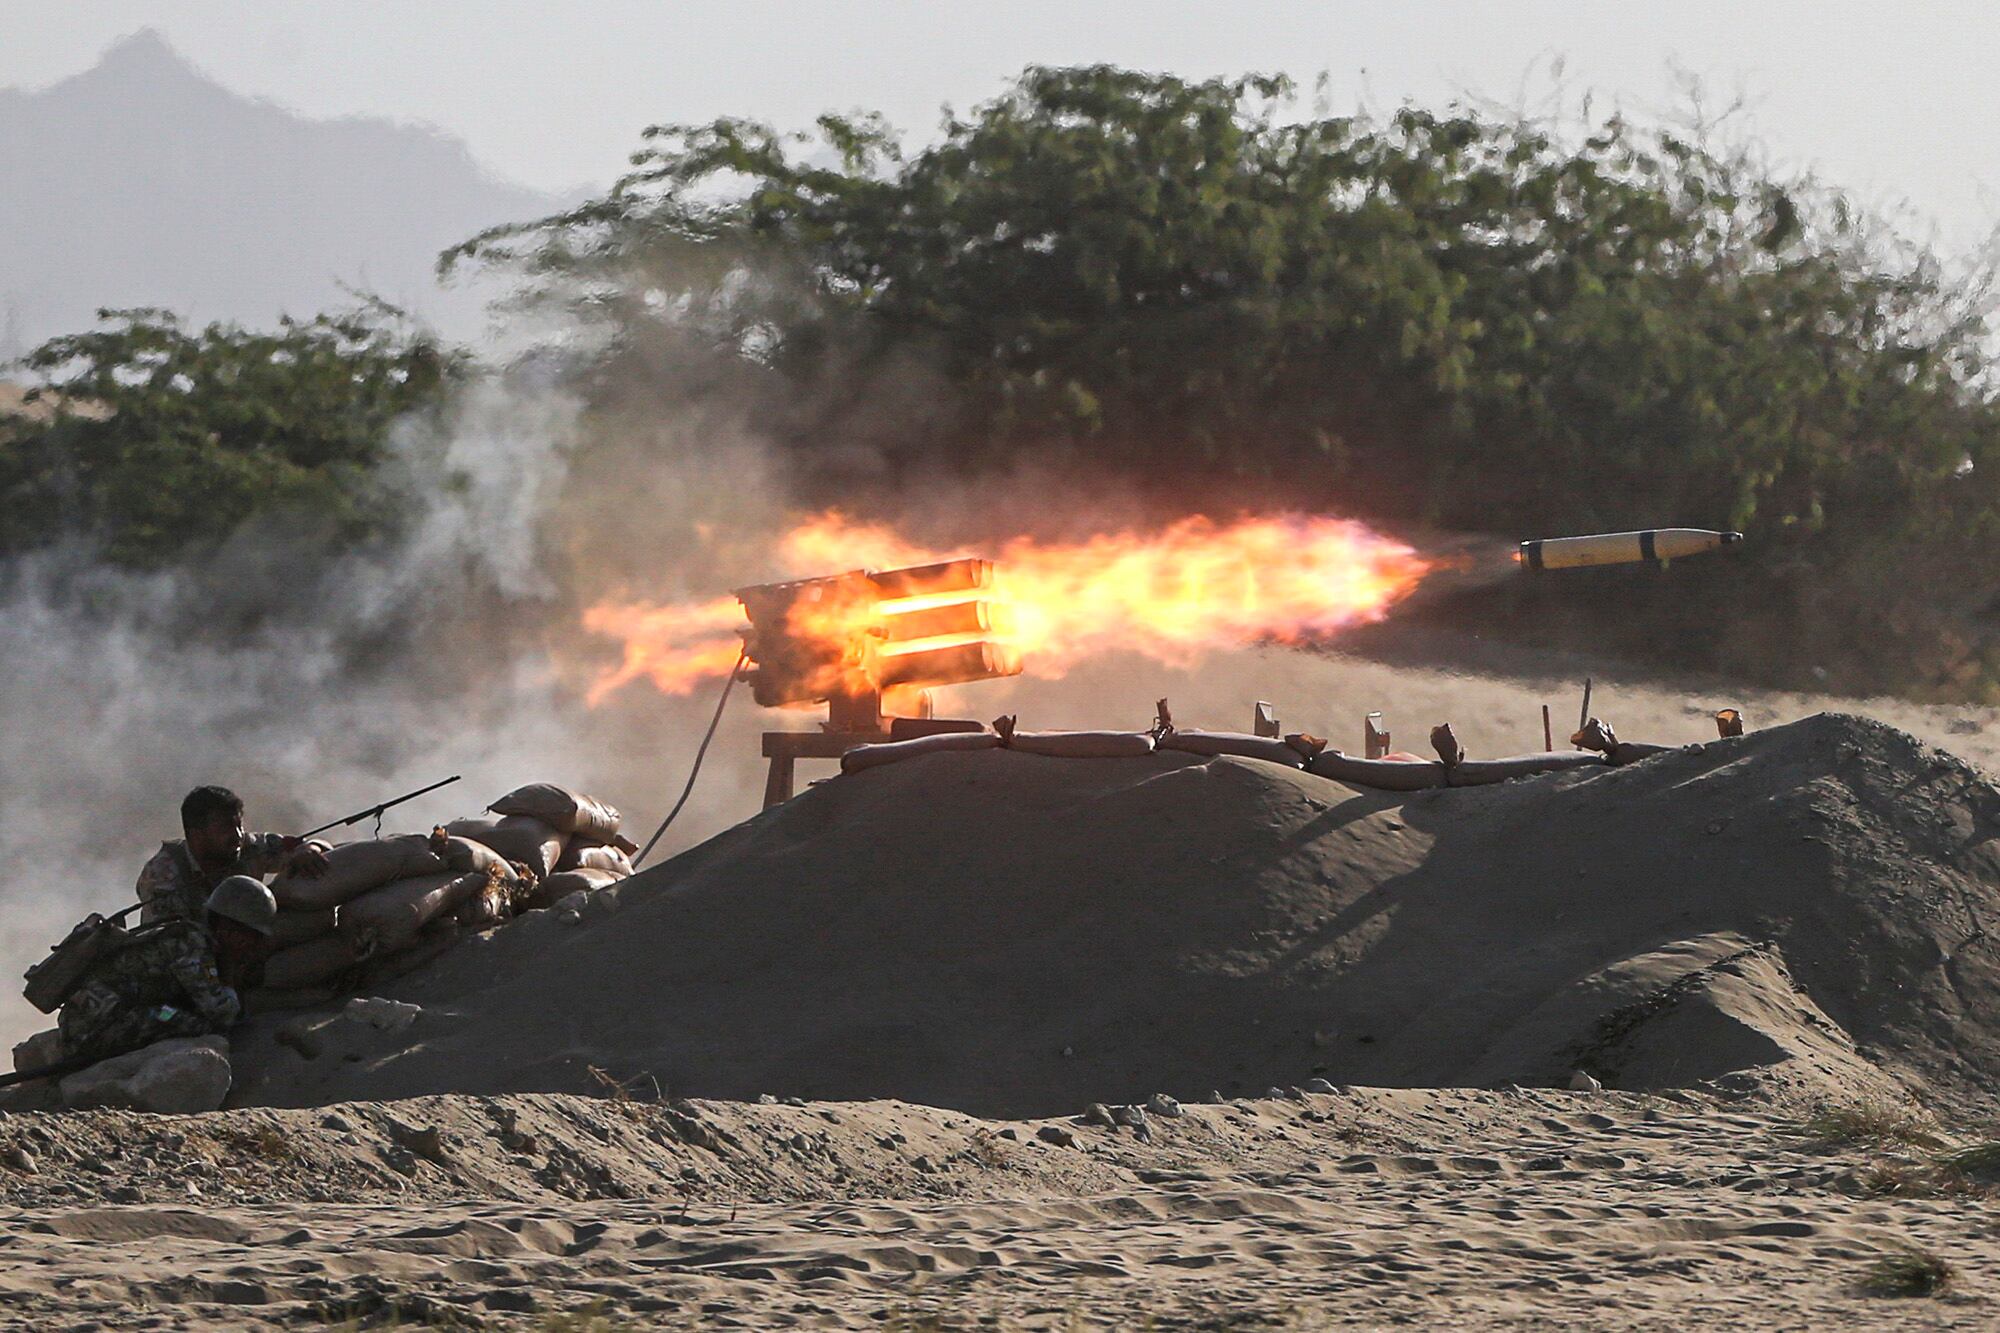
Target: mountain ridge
[142,181]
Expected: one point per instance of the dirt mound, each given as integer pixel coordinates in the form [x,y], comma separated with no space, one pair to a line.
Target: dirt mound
[1017,935]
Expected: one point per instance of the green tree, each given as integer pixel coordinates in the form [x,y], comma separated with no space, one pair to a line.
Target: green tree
[164,441]
[1454,316]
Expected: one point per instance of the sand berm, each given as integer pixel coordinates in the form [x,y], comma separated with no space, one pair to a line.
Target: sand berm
[1804,909]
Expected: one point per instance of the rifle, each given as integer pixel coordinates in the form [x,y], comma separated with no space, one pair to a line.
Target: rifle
[60,1069]
[375,811]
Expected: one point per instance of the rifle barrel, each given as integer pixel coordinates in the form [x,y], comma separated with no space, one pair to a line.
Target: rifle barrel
[376,810]
[59,1069]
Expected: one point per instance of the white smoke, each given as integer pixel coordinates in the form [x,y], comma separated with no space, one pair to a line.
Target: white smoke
[317,691]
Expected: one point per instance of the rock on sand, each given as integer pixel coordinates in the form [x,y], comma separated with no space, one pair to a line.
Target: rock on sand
[180,1076]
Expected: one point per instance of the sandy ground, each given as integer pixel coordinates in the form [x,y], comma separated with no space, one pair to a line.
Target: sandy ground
[1353,1208]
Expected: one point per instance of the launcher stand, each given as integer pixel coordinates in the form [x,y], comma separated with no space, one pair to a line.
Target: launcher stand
[852,719]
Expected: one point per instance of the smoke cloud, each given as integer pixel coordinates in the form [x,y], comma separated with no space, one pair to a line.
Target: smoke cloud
[315,689]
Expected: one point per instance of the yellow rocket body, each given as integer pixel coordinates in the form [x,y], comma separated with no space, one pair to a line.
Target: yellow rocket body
[1653,545]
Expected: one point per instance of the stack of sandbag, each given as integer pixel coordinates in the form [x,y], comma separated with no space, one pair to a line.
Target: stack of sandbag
[587,870]
[507,885]
[532,842]
[390,919]
[574,840]
[376,899]
[311,947]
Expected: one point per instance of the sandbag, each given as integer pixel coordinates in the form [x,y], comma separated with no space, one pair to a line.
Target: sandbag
[492,905]
[353,868]
[1082,744]
[1237,743]
[532,842]
[387,919]
[312,963]
[1383,774]
[890,752]
[1631,752]
[595,856]
[507,881]
[561,885]
[462,856]
[298,927]
[1481,772]
[567,812]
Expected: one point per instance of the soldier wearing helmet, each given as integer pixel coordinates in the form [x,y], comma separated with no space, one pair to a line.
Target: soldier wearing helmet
[175,978]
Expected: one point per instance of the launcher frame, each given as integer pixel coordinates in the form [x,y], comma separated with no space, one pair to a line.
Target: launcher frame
[793,669]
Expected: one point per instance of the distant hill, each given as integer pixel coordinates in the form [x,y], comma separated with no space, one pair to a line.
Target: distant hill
[143,182]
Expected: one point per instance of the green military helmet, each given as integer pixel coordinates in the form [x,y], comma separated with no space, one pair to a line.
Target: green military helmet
[245,901]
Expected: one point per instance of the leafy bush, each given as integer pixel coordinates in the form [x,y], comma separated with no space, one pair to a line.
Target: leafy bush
[164,441]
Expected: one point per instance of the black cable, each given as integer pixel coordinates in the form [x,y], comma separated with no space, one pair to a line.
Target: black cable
[699,755]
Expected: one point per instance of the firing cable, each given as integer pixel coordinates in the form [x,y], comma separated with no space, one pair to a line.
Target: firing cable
[735,672]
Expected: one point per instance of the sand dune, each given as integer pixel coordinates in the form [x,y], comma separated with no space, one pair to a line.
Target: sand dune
[1009,934]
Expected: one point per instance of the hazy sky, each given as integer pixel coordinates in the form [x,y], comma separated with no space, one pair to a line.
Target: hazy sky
[1896,100]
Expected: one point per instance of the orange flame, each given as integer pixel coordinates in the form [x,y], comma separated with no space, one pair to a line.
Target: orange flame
[1173,594]
[673,646]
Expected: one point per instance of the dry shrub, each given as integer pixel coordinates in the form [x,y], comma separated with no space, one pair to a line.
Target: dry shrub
[1981,1161]
[1909,1272]
[591,1318]
[1870,1123]
[266,1141]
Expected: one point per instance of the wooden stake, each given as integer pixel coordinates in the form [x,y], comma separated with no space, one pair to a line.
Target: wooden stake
[1548,732]
[1583,718]
[1374,736]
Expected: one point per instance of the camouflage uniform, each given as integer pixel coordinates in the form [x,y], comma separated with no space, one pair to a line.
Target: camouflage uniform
[162,984]
[174,888]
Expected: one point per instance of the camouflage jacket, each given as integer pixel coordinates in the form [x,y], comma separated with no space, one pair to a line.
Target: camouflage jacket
[174,888]
[162,984]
